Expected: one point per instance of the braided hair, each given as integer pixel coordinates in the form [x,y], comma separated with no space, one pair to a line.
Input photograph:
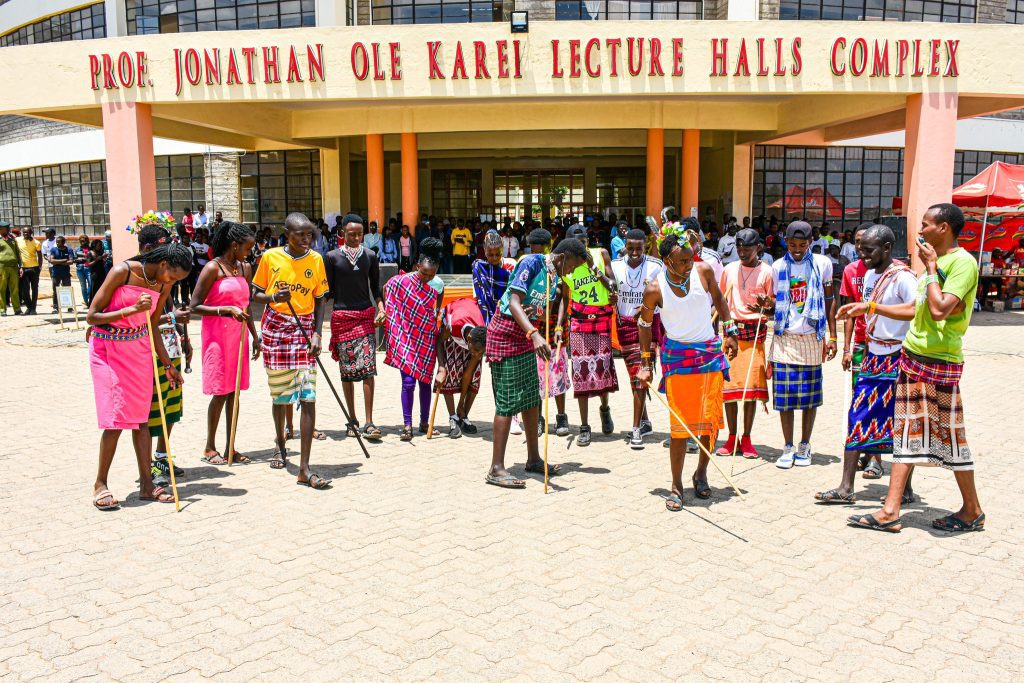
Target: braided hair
[152,235]
[431,250]
[228,233]
[175,255]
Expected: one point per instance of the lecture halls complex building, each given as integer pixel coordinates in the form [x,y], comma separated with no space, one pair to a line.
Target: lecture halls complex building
[260,107]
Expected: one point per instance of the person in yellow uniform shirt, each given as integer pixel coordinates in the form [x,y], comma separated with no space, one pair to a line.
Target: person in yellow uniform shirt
[292,277]
[31,263]
[10,265]
[462,246]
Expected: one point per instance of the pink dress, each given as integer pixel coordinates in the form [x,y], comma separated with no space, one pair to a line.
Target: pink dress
[220,338]
[122,364]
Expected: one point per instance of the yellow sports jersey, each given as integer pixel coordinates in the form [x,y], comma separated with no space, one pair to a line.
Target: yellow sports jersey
[305,276]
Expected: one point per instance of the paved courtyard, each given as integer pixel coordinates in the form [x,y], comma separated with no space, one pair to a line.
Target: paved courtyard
[410,567]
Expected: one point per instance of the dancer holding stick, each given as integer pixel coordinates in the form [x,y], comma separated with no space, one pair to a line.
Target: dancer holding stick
[222,297]
[460,351]
[547,370]
[691,356]
[514,343]
[163,414]
[749,293]
[121,314]
[292,282]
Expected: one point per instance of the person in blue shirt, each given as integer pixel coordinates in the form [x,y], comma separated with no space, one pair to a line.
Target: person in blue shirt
[61,259]
[619,240]
[81,256]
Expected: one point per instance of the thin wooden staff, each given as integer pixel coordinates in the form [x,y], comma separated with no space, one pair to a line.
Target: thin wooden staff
[238,394]
[163,415]
[746,385]
[437,395]
[693,436]
[547,370]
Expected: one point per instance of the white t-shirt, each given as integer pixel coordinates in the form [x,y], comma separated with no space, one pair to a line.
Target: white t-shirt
[633,281]
[820,242]
[902,290]
[711,257]
[509,246]
[849,251]
[727,249]
[798,277]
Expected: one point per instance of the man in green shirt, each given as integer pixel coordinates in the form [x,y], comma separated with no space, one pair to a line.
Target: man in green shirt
[928,426]
[10,270]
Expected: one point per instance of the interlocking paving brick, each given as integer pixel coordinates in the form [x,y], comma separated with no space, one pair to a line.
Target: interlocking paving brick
[411,568]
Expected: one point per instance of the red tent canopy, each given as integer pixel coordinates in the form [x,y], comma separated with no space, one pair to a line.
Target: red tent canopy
[813,200]
[1000,187]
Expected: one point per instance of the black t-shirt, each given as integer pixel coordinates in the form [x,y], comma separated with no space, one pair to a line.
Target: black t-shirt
[353,290]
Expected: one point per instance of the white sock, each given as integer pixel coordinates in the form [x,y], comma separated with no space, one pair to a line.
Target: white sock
[161,456]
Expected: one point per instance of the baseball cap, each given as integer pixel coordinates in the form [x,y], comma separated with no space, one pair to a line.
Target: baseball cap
[5,224]
[747,237]
[576,230]
[798,230]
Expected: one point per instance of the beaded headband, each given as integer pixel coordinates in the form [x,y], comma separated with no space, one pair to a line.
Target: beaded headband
[162,218]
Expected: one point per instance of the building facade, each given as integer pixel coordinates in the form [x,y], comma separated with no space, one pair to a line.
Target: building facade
[747,107]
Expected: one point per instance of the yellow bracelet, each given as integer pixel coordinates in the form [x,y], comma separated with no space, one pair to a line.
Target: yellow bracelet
[529,332]
[872,307]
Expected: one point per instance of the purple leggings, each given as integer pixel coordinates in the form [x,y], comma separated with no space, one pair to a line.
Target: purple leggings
[408,388]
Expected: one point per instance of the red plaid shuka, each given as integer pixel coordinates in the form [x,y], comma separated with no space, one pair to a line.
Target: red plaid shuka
[284,347]
[591,319]
[411,325]
[349,325]
[629,331]
[929,370]
[746,330]
[505,339]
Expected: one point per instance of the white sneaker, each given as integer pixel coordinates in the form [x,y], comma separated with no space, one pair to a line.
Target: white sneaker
[785,460]
[517,426]
[803,455]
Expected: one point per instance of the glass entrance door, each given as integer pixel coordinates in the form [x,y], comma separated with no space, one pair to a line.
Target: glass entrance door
[540,195]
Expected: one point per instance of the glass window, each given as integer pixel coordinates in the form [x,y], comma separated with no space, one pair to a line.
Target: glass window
[187,16]
[269,192]
[1015,11]
[616,10]
[952,11]
[437,11]
[455,193]
[80,24]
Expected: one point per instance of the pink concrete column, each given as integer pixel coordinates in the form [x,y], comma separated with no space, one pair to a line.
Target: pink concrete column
[131,173]
[691,172]
[927,158]
[375,179]
[655,171]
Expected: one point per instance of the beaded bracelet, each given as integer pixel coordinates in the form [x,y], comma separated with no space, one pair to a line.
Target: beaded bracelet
[872,307]
[730,328]
[930,279]
[640,322]
[530,332]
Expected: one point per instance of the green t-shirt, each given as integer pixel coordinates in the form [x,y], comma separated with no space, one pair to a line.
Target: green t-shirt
[943,340]
[8,253]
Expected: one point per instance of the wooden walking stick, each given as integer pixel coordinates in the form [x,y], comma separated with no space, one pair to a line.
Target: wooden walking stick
[238,394]
[698,442]
[547,371]
[746,385]
[437,395]
[163,414]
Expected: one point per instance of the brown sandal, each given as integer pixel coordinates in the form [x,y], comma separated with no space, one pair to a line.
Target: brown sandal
[159,495]
[315,482]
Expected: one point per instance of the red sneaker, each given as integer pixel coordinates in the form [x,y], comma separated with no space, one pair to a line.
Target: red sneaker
[747,448]
[728,446]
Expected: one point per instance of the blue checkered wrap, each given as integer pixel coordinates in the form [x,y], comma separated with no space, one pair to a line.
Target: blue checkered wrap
[796,387]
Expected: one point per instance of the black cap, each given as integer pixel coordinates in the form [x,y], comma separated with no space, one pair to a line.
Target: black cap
[747,237]
[798,230]
[576,230]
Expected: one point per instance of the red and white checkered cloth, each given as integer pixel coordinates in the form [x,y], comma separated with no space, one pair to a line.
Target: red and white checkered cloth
[411,306]
[284,347]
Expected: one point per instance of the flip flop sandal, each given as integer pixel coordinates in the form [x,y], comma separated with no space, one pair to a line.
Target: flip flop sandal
[674,498]
[102,495]
[159,495]
[701,489]
[869,522]
[214,459]
[505,481]
[241,459]
[954,524]
[319,436]
[371,433]
[538,468]
[315,482]
[279,462]
[833,496]
[873,470]
[406,433]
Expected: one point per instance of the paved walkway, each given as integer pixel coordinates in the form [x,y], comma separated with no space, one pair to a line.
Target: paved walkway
[412,568]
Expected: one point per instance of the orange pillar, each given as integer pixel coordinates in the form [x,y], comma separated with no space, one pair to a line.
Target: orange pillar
[410,181]
[655,171]
[690,194]
[928,158]
[131,173]
[375,178]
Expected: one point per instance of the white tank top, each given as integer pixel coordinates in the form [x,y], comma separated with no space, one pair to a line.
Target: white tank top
[686,319]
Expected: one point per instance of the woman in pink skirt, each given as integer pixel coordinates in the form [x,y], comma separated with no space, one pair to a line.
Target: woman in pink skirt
[120,360]
[222,297]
